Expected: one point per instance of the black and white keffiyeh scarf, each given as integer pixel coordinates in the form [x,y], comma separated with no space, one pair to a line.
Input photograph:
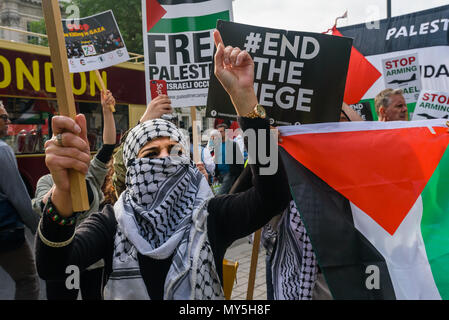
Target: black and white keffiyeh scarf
[294,265]
[162,212]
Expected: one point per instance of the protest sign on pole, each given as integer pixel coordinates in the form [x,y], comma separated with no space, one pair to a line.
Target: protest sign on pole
[178,46]
[432,105]
[94,42]
[299,76]
[403,73]
[66,101]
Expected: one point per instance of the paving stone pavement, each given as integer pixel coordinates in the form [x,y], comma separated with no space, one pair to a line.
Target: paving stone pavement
[241,251]
[7,285]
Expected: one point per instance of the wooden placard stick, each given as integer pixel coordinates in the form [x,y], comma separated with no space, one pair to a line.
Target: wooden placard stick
[195,138]
[103,87]
[64,93]
[253,267]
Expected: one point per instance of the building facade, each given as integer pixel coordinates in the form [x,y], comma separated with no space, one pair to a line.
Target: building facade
[18,14]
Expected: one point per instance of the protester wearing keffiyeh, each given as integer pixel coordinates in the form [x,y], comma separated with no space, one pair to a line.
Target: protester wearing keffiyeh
[165,238]
[162,212]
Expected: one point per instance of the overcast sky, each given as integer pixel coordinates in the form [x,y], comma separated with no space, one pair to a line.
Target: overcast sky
[319,15]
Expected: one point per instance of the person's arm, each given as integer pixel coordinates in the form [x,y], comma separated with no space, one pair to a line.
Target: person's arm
[93,241]
[43,190]
[11,185]
[234,216]
[109,130]
[98,168]
[72,154]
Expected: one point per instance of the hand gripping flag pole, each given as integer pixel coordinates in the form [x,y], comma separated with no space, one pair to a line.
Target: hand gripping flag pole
[66,101]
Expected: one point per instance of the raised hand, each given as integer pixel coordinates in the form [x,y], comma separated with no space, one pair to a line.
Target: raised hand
[234,69]
[157,107]
[202,169]
[107,101]
[109,129]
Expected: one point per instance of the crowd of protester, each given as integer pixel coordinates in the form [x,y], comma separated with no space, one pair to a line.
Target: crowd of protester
[149,201]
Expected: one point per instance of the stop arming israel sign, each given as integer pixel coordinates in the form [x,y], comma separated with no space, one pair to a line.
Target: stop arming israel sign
[403,73]
[178,45]
[432,105]
[299,76]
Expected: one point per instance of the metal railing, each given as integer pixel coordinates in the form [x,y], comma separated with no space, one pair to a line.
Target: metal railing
[134,57]
[34,34]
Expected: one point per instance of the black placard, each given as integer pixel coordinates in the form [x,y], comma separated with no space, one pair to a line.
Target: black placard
[364,110]
[300,77]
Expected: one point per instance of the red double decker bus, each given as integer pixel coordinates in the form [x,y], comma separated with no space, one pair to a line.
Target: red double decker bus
[28,92]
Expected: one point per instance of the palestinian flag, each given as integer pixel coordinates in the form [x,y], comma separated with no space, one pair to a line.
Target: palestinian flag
[361,75]
[374,198]
[174,16]
[423,33]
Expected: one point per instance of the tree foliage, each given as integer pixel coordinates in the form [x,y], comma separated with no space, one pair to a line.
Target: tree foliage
[38,27]
[127,13]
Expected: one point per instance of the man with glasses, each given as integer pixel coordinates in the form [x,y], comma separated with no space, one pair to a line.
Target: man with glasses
[15,213]
[5,122]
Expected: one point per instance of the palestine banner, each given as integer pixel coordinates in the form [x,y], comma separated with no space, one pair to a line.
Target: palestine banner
[432,105]
[290,68]
[178,46]
[424,33]
[374,198]
[94,43]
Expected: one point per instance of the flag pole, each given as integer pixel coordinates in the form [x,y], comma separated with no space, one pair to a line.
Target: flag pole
[388,9]
[344,16]
[253,267]
[64,94]
[195,137]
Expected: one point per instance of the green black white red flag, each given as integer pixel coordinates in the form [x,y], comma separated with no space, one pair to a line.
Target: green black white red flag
[374,198]
[423,34]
